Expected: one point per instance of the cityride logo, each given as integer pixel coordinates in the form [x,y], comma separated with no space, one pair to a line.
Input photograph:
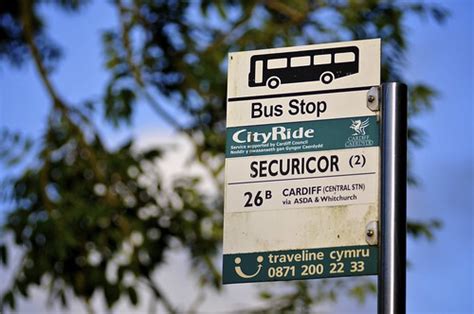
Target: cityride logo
[277,133]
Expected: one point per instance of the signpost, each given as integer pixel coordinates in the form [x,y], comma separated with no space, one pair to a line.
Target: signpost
[302,188]
[392,261]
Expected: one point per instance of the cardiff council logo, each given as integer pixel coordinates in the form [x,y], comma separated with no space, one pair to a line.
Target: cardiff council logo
[359,126]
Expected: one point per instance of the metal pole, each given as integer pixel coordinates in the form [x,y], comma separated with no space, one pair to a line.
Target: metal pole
[392,260]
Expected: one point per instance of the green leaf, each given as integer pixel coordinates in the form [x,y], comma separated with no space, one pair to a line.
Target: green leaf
[9,299]
[221,9]
[22,288]
[151,154]
[3,254]
[421,98]
[426,229]
[62,297]
[265,295]
[118,105]
[132,295]
[112,293]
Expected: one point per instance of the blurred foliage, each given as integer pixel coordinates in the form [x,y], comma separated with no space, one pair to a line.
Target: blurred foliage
[91,220]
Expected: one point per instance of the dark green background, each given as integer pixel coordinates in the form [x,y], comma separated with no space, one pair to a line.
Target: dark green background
[332,133]
[249,265]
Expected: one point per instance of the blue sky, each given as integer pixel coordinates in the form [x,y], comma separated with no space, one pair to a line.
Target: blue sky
[441,277]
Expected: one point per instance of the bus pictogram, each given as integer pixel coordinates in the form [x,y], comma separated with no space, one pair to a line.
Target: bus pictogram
[323,65]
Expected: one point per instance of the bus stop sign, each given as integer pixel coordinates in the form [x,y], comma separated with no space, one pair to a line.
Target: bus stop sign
[302,163]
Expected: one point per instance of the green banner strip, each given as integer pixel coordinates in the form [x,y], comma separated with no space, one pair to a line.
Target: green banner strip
[300,264]
[284,138]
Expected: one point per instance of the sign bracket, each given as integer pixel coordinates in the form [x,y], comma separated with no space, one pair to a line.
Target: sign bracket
[372,232]
[373,100]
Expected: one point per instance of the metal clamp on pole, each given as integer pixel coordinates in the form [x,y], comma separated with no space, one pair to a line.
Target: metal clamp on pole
[392,257]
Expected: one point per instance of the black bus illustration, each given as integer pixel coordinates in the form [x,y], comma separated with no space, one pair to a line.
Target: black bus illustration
[323,65]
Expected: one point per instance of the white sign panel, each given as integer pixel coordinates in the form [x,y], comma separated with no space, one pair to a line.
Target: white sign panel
[302,162]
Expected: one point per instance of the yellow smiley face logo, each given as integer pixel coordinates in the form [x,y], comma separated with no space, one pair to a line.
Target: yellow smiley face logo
[240,273]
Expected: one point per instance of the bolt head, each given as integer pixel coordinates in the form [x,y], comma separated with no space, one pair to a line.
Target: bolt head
[370,233]
[371,98]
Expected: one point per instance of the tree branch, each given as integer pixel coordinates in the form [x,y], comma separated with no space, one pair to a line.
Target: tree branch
[294,15]
[26,8]
[89,307]
[159,294]
[200,297]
